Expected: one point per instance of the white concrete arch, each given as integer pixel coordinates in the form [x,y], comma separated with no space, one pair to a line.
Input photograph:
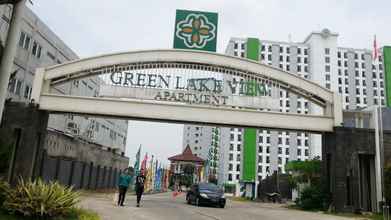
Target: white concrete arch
[164,111]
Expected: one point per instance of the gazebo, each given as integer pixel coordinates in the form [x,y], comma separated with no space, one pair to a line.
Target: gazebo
[179,162]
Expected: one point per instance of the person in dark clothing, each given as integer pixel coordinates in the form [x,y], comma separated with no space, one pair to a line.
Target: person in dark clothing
[140,179]
[124,180]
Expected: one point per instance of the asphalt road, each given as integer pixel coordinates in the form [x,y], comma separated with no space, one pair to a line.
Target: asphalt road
[163,206]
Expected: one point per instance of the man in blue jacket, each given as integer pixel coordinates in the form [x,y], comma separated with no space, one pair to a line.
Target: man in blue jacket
[124,180]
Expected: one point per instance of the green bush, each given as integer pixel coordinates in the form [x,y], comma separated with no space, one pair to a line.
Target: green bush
[313,198]
[40,199]
[387,183]
[229,187]
[4,189]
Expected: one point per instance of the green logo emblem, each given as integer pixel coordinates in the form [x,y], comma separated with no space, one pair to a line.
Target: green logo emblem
[195,30]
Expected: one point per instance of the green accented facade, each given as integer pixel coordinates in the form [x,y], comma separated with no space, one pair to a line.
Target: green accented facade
[195,30]
[250,134]
[387,72]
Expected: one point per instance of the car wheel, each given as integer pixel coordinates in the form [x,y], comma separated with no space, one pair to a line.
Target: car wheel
[222,206]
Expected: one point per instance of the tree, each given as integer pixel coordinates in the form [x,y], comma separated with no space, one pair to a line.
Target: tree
[304,171]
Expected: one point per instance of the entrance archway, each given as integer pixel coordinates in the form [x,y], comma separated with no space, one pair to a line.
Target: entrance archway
[186,86]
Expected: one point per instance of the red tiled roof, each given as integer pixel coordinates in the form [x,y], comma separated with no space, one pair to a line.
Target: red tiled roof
[187,155]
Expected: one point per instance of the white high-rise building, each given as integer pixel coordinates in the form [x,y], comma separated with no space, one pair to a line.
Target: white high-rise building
[348,71]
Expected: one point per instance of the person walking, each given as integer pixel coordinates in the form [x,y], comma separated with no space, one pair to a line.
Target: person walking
[140,179]
[124,181]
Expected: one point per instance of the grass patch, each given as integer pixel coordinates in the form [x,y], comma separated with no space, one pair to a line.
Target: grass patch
[240,199]
[76,214]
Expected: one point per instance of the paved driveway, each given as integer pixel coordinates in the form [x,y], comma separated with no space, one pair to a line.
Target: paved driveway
[163,206]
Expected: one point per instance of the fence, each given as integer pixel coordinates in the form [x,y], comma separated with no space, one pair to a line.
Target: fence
[80,175]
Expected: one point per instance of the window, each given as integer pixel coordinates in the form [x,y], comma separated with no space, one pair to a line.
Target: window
[280,150]
[260,149]
[239,137]
[24,40]
[267,159]
[237,167]
[230,167]
[306,152]
[238,157]
[339,54]
[306,51]
[36,51]
[231,147]
[345,55]
[268,140]
[279,160]
[229,177]
[239,147]
[287,151]
[231,157]
[242,46]
[267,150]
[27,92]
[327,51]
[18,87]
[288,50]
[327,68]
[259,169]
[51,56]
[269,48]
[279,140]
[236,46]
[327,76]
[299,50]
[298,152]
[281,50]
[305,60]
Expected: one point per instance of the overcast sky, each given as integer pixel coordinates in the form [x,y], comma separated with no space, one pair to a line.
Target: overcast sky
[92,27]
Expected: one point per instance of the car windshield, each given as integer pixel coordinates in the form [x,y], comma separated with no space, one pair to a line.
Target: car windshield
[209,187]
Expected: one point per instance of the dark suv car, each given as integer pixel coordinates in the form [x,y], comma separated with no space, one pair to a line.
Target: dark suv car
[205,194]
